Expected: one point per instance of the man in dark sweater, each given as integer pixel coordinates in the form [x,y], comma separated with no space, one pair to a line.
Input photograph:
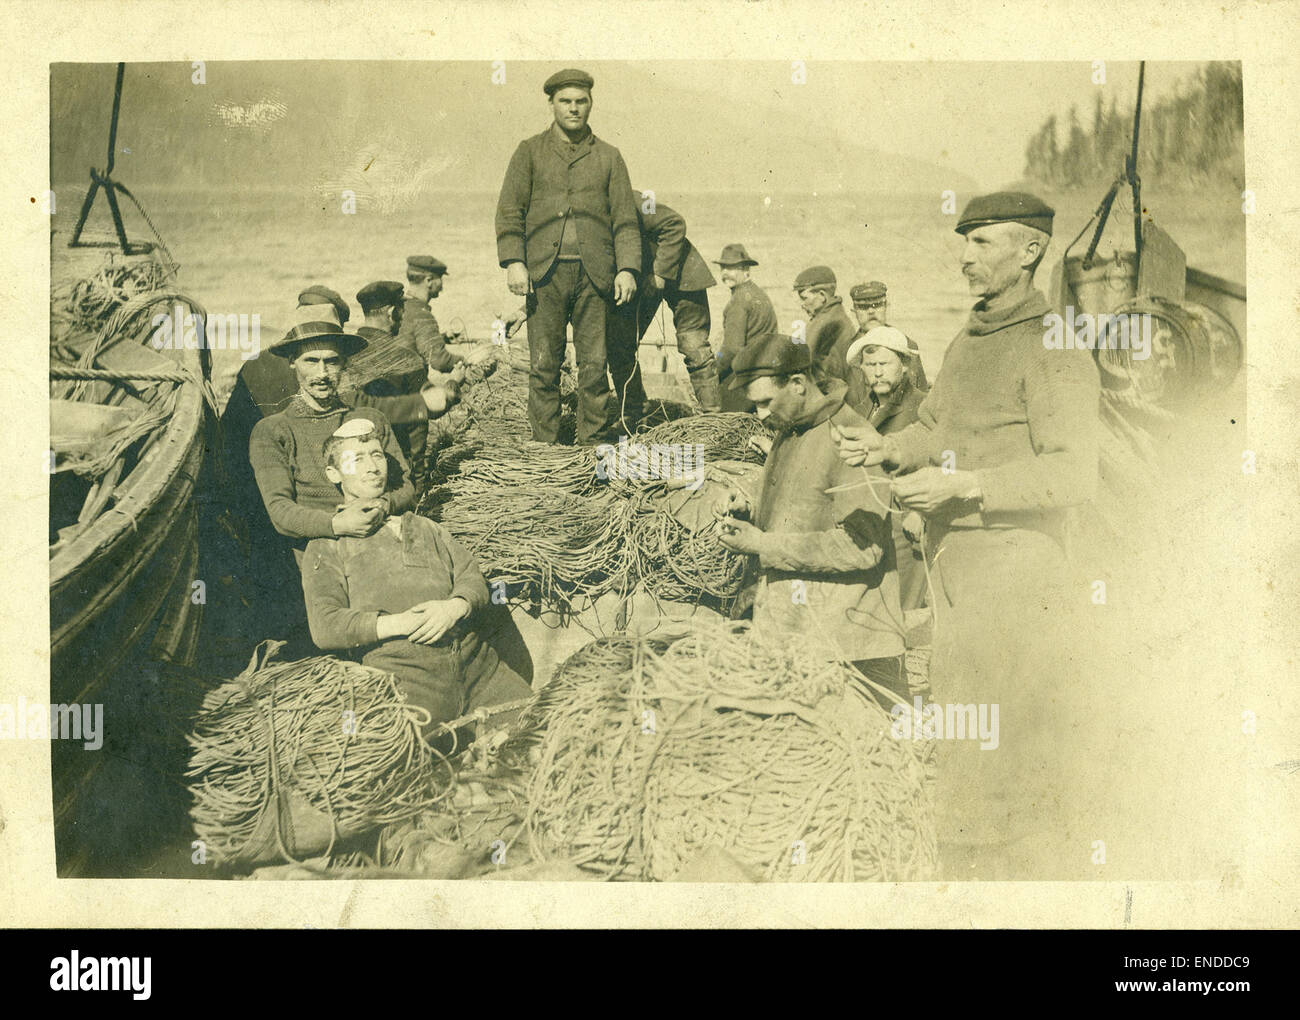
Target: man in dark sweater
[404,598]
[1005,444]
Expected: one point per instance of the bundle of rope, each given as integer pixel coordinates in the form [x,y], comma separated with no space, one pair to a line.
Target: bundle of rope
[682,564]
[84,305]
[655,751]
[526,464]
[545,544]
[288,758]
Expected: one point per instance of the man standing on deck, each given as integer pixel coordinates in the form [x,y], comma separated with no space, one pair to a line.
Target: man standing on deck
[871,309]
[1005,443]
[673,272]
[419,329]
[829,328]
[749,315]
[826,561]
[567,237]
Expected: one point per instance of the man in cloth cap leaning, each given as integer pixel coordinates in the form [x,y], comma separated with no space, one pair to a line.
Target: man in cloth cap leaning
[820,535]
[419,329]
[1005,444]
[568,239]
[829,328]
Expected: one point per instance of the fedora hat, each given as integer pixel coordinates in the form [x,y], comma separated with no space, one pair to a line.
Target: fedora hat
[319,332]
[735,255]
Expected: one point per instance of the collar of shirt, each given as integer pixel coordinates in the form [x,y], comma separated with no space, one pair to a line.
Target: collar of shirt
[981,322]
[568,148]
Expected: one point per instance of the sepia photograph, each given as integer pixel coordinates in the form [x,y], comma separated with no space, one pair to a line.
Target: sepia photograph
[588,468]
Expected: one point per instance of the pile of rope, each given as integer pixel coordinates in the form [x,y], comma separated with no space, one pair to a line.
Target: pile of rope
[85,305]
[546,544]
[655,751]
[679,564]
[289,758]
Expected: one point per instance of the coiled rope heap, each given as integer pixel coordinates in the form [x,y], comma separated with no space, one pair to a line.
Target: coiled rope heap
[285,741]
[652,752]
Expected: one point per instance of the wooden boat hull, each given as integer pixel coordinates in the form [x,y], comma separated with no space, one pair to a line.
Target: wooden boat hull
[121,604]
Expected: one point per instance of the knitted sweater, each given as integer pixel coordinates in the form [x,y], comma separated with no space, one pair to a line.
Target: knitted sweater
[287,454]
[1022,417]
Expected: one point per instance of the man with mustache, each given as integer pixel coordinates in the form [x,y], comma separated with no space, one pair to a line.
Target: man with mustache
[1005,444]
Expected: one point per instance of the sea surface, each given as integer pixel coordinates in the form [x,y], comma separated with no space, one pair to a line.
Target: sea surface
[252,252]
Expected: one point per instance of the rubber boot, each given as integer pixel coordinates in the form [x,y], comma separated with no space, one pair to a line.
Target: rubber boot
[703,369]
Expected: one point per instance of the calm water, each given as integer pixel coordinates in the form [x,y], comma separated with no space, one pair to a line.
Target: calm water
[253,252]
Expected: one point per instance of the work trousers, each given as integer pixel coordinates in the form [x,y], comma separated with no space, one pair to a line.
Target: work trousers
[567,295]
[691,323]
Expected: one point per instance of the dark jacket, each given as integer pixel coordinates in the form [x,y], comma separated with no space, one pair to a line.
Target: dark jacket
[896,411]
[748,315]
[544,186]
[667,252]
[389,375]
[829,334]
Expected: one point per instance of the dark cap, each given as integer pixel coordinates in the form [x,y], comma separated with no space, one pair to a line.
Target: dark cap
[773,354]
[1006,207]
[864,293]
[570,76]
[379,294]
[426,264]
[318,295]
[735,255]
[815,276]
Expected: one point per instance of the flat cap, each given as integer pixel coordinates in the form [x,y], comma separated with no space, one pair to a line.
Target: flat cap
[569,76]
[735,255]
[872,290]
[815,276]
[354,428]
[774,354]
[379,294]
[426,264]
[1006,207]
[318,295]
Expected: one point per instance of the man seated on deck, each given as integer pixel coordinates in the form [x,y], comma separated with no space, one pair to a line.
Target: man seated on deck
[405,597]
[285,448]
[827,575]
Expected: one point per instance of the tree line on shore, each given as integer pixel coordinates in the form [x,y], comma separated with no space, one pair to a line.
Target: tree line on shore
[1193,135]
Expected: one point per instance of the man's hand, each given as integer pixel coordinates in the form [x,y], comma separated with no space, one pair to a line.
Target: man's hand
[913,526]
[735,505]
[624,287]
[360,519]
[739,536]
[860,445]
[763,444]
[517,319]
[437,617]
[930,488]
[435,399]
[458,373]
[517,278]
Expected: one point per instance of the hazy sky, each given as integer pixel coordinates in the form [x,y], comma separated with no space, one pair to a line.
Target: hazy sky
[682,125]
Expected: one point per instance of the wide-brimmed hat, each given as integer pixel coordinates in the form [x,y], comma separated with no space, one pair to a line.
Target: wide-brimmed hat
[319,331]
[735,255]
